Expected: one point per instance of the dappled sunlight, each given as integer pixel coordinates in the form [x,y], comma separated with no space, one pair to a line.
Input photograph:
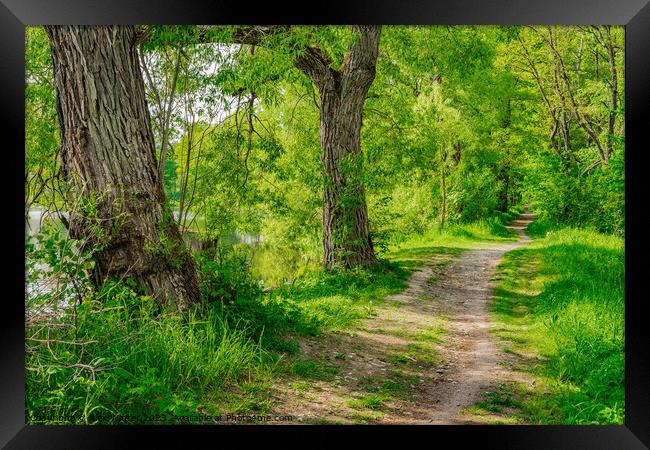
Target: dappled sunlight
[559,318]
[332,224]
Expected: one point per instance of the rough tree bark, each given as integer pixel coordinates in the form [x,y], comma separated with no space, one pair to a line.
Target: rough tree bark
[346,232]
[108,156]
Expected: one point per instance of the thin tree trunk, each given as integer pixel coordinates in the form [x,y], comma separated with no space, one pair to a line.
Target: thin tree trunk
[579,59]
[167,118]
[582,121]
[164,105]
[443,184]
[457,152]
[563,120]
[503,195]
[613,91]
[109,157]
[185,176]
[551,111]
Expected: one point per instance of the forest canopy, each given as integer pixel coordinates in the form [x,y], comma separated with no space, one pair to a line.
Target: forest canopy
[459,124]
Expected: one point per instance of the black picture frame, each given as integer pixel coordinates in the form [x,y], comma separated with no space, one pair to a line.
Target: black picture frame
[633,14]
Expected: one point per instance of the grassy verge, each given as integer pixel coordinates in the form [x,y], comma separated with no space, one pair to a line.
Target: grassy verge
[559,311]
[116,358]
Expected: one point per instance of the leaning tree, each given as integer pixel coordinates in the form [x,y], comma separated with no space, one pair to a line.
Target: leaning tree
[108,158]
[342,90]
[346,232]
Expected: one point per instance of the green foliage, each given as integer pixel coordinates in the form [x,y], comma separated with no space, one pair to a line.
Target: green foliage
[313,369]
[462,116]
[566,177]
[115,359]
[229,287]
[41,121]
[57,268]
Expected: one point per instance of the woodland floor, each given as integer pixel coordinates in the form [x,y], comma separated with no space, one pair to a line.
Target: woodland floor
[425,357]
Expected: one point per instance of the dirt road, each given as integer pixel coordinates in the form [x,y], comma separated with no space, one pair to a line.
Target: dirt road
[399,347]
[470,348]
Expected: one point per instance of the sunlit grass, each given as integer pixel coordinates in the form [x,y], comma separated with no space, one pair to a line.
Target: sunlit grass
[559,308]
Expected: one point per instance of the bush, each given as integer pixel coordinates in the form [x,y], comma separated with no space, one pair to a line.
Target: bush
[228,286]
[228,279]
[572,198]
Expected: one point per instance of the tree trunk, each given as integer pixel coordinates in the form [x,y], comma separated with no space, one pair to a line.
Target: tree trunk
[109,158]
[346,232]
[457,153]
[613,86]
[503,176]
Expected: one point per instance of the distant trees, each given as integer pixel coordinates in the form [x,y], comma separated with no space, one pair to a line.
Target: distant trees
[576,73]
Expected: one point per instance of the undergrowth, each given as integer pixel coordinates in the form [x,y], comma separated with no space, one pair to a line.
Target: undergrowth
[111,355]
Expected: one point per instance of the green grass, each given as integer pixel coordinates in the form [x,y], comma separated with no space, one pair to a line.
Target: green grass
[312,369]
[374,401]
[117,359]
[394,384]
[125,363]
[423,352]
[497,400]
[364,417]
[559,308]
[433,334]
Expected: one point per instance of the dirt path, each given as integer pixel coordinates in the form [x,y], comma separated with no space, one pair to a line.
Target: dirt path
[403,349]
[470,348]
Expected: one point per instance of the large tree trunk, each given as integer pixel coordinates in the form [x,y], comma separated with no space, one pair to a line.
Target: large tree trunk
[346,232]
[109,158]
